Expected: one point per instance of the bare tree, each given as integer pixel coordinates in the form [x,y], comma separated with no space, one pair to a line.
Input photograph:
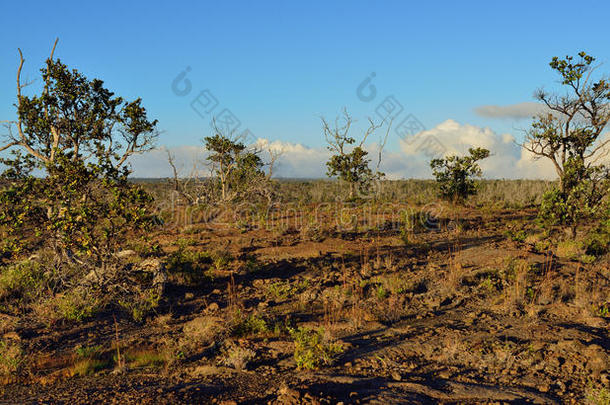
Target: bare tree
[349,161]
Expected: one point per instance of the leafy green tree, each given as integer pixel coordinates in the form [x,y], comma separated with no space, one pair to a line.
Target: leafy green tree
[349,161]
[65,185]
[569,135]
[454,174]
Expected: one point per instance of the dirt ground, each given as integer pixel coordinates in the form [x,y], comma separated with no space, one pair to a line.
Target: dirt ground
[454,315]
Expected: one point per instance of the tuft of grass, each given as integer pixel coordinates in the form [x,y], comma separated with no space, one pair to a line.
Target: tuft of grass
[191,265]
[569,249]
[146,358]
[87,352]
[89,366]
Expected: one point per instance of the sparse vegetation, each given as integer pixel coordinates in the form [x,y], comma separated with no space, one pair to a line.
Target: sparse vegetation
[276,278]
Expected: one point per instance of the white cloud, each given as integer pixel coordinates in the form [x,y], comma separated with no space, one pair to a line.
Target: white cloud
[508,160]
[523,110]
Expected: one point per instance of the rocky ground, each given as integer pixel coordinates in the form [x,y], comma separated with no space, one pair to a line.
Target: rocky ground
[463,314]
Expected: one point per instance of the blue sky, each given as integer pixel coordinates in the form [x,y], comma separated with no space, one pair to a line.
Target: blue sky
[279,65]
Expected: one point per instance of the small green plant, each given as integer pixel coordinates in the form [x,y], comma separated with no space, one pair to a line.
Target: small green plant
[603,311]
[518,236]
[279,290]
[598,396]
[381,293]
[11,356]
[87,351]
[284,290]
[312,348]
[221,260]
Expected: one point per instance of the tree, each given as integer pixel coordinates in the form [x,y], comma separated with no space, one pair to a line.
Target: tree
[350,163]
[569,135]
[454,174]
[237,168]
[65,185]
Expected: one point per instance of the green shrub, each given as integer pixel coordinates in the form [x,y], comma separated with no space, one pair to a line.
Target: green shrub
[454,174]
[312,349]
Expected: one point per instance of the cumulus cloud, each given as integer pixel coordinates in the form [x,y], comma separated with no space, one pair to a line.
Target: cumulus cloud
[410,160]
[523,110]
[507,159]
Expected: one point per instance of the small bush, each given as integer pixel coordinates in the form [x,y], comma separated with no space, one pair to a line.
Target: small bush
[518,236]
[205,330]
[312,348]
[238,357]
[76,305]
